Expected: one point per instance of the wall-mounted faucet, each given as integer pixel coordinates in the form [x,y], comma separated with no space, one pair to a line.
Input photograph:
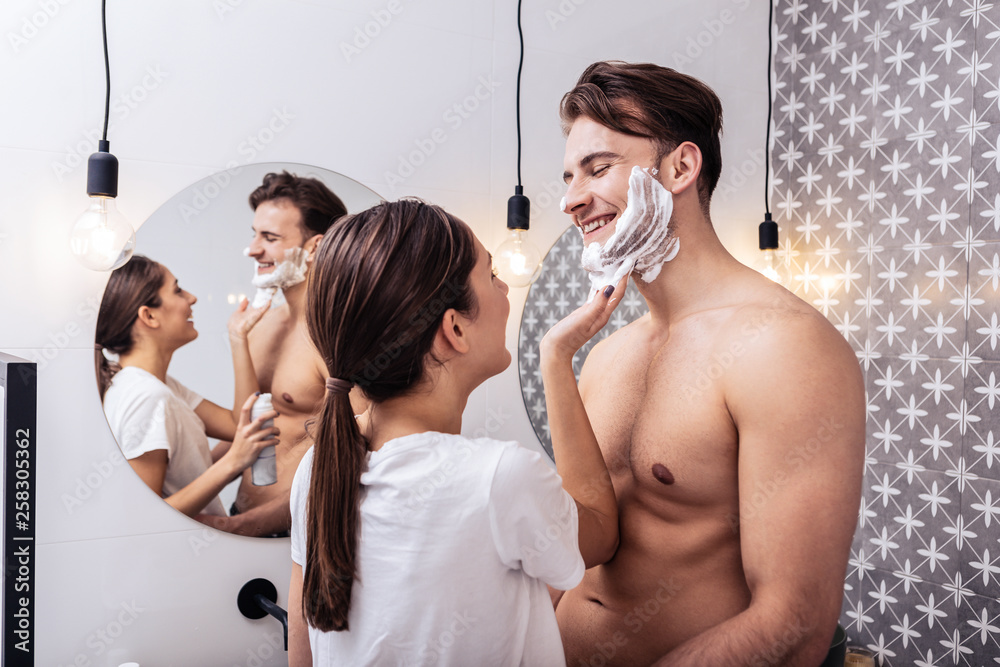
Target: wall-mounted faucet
[258,598]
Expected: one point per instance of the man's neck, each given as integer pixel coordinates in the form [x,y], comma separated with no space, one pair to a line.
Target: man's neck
[696,279]
[295,297]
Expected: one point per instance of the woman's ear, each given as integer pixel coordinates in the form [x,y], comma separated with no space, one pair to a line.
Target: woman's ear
[147,318]
[452,335]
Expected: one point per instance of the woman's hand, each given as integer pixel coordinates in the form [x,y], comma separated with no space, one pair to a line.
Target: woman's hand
[250,437]
[572,332]
[244,319]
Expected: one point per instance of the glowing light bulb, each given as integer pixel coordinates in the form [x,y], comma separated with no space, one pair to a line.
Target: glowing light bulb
[102,239]
[518,261]
[772,266]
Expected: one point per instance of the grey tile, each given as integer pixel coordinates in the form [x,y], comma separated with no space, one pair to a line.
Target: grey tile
[926,509]
[980,563]
[880,490]
[984,288]
[922,289]
[925,203]
[984,211]
[937,390]
[847,309]
[979,630]
[981,442]
[987,102]
[903,623]
[885,424]
[946,100]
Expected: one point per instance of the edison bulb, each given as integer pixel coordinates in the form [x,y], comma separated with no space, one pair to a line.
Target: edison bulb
[518,261]
[102,239]
[772,266]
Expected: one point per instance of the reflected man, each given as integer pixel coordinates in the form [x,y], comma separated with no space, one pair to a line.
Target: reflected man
[731,416]
[271,348]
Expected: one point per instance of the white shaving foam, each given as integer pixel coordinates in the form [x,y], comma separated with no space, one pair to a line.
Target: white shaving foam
[289,272]
[562,204]
[642,241]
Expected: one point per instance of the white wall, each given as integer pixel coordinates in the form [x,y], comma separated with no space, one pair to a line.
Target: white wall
[120,575]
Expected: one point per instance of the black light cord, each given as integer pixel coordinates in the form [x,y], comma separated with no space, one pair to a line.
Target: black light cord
[770,104]
[520,65]
[107,69]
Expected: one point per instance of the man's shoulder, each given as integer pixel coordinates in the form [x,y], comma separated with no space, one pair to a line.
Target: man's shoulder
[605,350]
[773,316]
[782,336]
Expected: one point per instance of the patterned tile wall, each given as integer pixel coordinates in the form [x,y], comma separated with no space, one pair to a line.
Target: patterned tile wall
[887,191]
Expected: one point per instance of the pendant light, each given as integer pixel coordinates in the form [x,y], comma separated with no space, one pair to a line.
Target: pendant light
[518,261]
[769,262]
[102,239]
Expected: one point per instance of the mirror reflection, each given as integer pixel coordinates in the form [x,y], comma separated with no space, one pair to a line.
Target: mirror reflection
[204,336]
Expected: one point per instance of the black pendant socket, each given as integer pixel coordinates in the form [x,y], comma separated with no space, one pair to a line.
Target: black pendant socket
[518,210]
[767,233]
[102,172]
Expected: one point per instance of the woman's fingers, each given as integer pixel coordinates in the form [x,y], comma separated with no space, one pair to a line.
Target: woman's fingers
[245,410]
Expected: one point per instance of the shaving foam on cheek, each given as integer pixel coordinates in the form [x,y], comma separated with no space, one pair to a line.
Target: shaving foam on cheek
[287,273]
[642,241]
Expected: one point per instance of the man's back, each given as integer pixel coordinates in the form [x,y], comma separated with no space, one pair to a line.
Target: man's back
[661,403]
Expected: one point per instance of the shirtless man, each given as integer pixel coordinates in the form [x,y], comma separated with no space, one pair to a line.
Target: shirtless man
[731,417]
[271,349]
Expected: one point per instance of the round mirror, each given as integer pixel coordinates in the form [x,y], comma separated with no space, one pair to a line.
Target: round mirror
[560,289]
[200,235]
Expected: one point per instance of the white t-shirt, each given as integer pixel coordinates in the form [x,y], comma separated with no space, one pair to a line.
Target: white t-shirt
[146,414]
[458,539]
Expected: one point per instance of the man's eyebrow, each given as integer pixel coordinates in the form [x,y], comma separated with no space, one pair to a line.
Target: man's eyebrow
[590,157]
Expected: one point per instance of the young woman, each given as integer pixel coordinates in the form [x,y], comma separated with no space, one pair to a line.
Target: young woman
[412,544]
[162,426]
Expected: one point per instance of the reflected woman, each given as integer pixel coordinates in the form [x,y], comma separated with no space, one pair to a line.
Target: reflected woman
[162,426]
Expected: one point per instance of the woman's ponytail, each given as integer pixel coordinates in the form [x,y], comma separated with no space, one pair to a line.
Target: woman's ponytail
[332,514]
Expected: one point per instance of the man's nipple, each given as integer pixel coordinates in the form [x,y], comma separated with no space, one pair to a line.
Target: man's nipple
[662,474]
[287,398]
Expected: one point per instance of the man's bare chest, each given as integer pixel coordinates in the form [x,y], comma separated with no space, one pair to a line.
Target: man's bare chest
[661,419]
[287,367]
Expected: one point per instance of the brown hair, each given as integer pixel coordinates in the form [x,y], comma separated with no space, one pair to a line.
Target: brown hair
[316,202]
[129,288]
[381,283]
[658,103]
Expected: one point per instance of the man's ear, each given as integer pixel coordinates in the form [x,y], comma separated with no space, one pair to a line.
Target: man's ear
[451,334]
[311,245]
[147,318]
[681,168]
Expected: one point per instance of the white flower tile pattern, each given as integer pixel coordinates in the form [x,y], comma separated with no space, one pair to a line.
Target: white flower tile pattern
[887,184]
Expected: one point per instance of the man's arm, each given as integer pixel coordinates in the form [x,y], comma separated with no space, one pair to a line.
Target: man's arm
[241,322]
[267,519]
[797,399]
